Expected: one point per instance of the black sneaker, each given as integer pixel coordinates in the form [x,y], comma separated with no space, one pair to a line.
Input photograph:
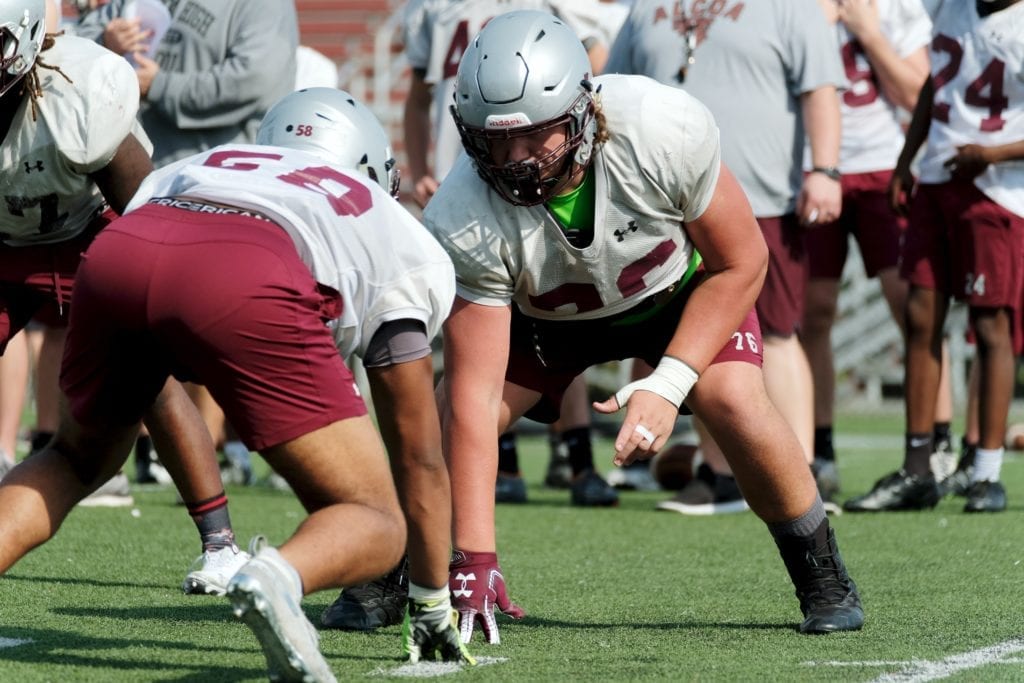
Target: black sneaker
[509,488]
[371,605]
[828,597]
[897,491]
[986,496]
[960,480]
[588,489]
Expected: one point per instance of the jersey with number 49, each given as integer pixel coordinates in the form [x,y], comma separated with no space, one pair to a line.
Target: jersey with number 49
[978,75]
[872,134]
[437,33]
[352,234]
[658,170]
[45,161]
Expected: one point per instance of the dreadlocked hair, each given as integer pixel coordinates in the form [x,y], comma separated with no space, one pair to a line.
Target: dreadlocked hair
[31,83]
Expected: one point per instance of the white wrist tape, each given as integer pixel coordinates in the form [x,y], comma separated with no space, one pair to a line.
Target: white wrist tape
[672,380]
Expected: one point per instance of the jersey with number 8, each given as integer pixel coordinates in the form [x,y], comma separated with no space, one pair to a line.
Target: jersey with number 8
[978,75]
[353,236]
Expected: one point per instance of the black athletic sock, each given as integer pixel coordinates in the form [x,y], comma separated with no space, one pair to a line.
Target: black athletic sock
[823,449]
[811,524]
[143,449]
[942,434]
[581,455]
[508,455]
[917,454]
[213,521]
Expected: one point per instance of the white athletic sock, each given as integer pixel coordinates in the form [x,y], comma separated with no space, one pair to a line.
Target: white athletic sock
[987,463]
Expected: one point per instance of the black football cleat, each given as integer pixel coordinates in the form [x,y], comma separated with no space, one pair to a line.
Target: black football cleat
[986,496]
[897,491]
[372,605]
[828,596]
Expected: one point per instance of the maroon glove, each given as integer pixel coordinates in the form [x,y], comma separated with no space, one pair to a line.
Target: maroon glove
[477,586]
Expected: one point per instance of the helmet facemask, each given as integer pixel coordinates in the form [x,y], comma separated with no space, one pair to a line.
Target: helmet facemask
[535,181]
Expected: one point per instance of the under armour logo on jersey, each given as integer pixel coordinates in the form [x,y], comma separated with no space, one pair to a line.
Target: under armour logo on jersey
[621,234]
[464,592]
[38,166]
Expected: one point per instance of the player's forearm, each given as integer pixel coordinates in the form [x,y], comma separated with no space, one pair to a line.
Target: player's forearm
[1013,151]
[416,126]
[822,124]
[920,122]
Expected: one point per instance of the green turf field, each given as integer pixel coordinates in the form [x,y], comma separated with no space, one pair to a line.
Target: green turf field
[611,595]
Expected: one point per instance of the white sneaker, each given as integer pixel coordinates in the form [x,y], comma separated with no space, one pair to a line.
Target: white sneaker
[265,594]
[633,477]
[114,493]
[210,573]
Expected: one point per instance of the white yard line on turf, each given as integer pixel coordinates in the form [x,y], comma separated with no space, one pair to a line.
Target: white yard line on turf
[13,642]
[432,669]
[922,670]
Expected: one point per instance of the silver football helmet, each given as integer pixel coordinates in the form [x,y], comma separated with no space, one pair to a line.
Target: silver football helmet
[525,72]
[22,29]
[335,126]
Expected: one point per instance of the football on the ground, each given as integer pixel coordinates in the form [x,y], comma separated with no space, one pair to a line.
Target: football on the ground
[674,467]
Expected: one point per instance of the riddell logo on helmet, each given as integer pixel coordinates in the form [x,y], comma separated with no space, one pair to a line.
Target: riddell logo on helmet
[507,121]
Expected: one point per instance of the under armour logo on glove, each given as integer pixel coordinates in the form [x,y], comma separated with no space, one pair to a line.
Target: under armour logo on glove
[477,587]
[462,591]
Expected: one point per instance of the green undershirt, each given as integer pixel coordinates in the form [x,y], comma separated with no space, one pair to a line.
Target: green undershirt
[575,211]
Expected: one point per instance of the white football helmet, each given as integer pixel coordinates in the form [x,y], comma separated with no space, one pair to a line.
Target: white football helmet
[525,72]
[22,29]
[335,126]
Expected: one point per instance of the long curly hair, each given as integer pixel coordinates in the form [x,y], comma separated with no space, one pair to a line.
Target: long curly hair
[31,82]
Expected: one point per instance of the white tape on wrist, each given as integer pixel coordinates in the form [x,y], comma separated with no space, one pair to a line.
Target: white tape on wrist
[672,380]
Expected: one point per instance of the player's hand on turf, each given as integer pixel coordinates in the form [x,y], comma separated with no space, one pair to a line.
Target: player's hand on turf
[478,587]
[431,629]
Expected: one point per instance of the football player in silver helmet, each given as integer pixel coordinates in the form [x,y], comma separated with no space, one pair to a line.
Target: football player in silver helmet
[593,221]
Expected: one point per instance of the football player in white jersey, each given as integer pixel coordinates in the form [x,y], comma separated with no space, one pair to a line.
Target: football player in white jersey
[73,156]
[575,224]
[437,33]
[255,269]
[883,45]
[965,239]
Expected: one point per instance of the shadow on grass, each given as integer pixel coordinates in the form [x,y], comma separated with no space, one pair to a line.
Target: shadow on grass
[82,581]
[69,649]
[540,622]
[63,648]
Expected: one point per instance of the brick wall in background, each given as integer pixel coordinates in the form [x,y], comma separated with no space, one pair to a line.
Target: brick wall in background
[347,31]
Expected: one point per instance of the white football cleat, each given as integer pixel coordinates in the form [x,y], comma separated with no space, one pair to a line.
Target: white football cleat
[266,594]
[211,572]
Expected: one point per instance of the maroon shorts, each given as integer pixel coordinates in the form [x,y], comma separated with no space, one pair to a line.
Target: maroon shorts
[961,243]
[37,281]
[546,356]
[223,300]
[867,217]
[780,307]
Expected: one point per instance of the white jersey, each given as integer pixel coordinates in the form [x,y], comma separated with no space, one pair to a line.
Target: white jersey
[437,33]
[353,235]
[46,161]
[978,74]
[872,134]
[658,170]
